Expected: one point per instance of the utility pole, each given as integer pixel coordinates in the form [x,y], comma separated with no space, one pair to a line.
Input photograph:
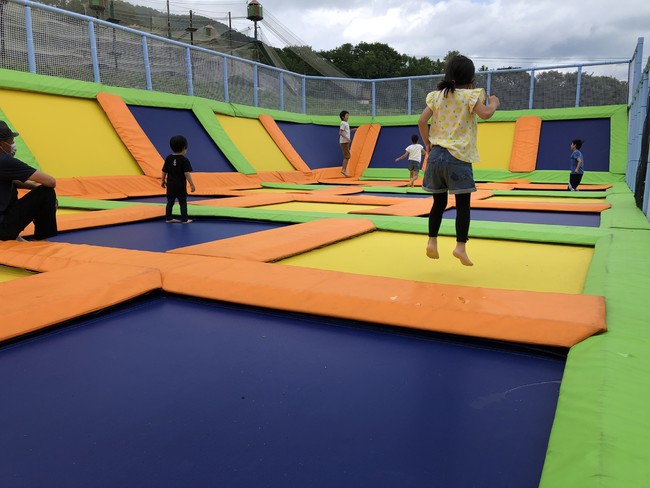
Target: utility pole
[230,30]
[169,25]
[191,29]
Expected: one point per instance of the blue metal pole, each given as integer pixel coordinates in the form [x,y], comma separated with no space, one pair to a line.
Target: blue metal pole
[410,95]
[578,86]
[531,93]
[226,90]
[374,99]
[188,67]
[31,55]
[147,66]
[304,95]
[255,83]
[93,51]
[281,91]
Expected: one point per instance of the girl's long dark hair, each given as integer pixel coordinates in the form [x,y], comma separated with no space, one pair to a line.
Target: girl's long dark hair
[459,72]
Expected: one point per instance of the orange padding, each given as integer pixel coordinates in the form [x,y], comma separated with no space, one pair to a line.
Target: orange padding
[42,300]
[276,244]
[99,218]
[282,142]
[518,316]
[523,157]
[132,135]
[363,145]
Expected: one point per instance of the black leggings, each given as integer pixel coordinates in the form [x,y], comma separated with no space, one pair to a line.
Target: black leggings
[574,180]
[462,215]
[38,206]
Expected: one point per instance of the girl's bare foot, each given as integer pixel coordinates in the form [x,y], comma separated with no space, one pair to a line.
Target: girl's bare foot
[460,254]
[432,248]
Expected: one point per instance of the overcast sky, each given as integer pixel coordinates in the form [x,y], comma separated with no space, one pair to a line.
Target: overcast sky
[495,33]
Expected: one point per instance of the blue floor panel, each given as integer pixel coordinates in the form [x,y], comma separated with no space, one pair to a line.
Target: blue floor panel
[168,392]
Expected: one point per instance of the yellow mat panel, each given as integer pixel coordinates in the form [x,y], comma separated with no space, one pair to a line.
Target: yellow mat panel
[340,208]
[7,273]
[68,211]
[495,145]
[516,199]
[252,140]
[497,264]
[68,136]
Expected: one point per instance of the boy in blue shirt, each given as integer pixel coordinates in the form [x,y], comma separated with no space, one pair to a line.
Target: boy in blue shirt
[577,165]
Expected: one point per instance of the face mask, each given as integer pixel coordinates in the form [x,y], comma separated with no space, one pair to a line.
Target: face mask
[12,148]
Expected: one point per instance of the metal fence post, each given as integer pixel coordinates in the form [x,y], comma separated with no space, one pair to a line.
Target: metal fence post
[578,86]
[255,86]
[188,67]
[304,94]
[531,93]
[147,66]
[226,91]
[281,90]
[410,95]
[92,40]
[29,34]
[374,98]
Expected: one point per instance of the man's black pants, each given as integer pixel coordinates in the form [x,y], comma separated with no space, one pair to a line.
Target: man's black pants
[38,206]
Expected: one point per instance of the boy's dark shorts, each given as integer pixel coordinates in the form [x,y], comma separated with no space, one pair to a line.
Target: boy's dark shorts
[414,165]
[345,149]
[446,173]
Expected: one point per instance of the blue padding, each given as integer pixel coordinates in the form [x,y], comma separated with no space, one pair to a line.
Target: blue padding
[555,144]
[173,392]
[156,235]
[581,219]
[317,145]
[163,199]
[391,144]
[160,124]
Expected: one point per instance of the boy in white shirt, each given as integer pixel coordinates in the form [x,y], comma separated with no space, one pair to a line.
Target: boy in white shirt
[414,152]
[344,140]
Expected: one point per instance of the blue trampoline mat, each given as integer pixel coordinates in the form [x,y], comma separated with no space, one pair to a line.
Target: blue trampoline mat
[156,235]
[163,199]
[580,219]
[168,391]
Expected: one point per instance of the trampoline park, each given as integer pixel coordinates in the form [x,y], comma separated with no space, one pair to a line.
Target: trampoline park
[295,333]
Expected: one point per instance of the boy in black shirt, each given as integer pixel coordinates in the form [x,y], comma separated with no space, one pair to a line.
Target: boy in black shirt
[176,172]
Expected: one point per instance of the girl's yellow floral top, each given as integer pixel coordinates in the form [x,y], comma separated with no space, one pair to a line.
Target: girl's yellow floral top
[453,123]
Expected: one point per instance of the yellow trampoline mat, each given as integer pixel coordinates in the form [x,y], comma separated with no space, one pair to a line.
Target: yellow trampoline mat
[68,136]
[7,274]
[341,208]
[516,199]
[255,144]
[67,211]
[497,264]
[494,144]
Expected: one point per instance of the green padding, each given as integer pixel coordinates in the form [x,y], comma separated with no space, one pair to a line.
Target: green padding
[601,428]
[618,141]
[546,176]
[85,204]
[624,213]
[22,151]
[386,174]
[210,123]
[52,85]
[550,193]
[292,186]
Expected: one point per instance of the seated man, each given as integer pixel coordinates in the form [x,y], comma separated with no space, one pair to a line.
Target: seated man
[38,205]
